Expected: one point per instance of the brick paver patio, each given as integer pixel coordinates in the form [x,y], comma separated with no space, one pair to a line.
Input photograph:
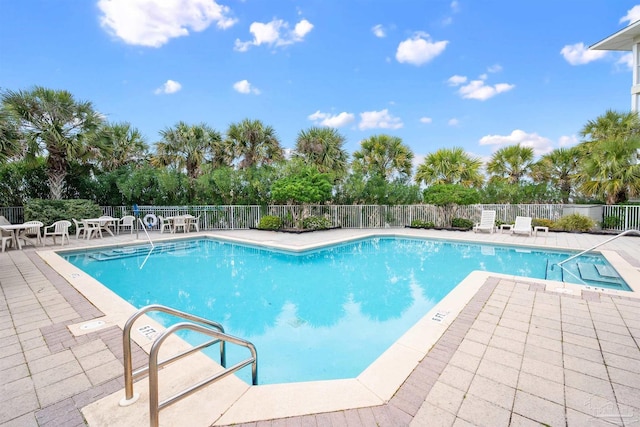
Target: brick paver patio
[516,355]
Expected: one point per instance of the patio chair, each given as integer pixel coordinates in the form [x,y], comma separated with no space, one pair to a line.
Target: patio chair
[487,222]
[194,222]
[180,222]
[28,234]
[164,223]
[58,228]
[91,228]
[126,221]
[522,225]
[80,228]
[7,238]
[4,221]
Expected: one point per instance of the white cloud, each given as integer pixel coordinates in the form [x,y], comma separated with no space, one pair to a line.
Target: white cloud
[578,54]
[453,122]
[456,80]
[379,31]
[426,119]
[154,22]
[478,89]
[568,141]
[540,145]
[243,86]
[419,49]
[496,68]
[626,60]
[170,86]
[379,120]
[274,34]
[332,121]
[632,15]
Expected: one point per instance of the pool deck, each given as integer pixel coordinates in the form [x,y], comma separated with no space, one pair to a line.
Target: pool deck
[508,351]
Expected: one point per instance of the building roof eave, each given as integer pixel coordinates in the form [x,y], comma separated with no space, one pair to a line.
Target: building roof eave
[622,40]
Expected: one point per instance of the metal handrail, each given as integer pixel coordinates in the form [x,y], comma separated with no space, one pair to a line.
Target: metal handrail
[155,405]
[598,245]
[129,374]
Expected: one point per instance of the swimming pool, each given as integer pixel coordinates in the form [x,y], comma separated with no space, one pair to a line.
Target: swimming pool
[321,314]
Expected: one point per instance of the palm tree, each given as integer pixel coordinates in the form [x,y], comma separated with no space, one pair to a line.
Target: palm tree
[612,125]
[558,168]
[450,166]
[384,156]
[10,143]
[187,146]
[510,164]
[612,170]
[254,142]
[322,147]
[52,121]
[124,143]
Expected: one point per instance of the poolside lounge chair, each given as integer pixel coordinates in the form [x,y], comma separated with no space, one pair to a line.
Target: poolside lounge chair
[126,221]
[487,222]
[522,225]
[58,228]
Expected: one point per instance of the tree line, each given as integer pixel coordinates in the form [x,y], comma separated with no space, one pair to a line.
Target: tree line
[54,146]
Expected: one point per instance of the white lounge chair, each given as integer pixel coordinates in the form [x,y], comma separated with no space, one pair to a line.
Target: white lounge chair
[522,225]
[487,222]
[58,229]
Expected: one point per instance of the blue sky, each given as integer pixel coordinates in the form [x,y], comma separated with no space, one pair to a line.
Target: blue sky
[476,74]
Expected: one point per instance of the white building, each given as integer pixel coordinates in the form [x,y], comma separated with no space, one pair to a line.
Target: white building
[627,39]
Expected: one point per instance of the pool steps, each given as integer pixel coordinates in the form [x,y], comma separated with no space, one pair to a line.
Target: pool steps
[132,251]
[592,274]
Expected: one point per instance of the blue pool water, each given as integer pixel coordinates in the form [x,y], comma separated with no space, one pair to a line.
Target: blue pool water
[322,314]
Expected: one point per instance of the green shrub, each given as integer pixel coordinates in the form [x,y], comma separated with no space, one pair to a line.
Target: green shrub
[50,211]
[613,221]
[316,223]
[270,222]
[574,222]
[542,222]
[422,224]
[462,223]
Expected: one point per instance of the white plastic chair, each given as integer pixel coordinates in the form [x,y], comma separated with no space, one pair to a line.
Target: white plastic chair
[7,238]
[487,222]
[180,222]
[126,221]
[194,222]
[80,228]
[58,228]
[522,225]
[164,223]
[29,233]
[91,228]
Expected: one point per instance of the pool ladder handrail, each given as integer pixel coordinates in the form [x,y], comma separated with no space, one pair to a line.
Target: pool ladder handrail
[624,233]
[202,325]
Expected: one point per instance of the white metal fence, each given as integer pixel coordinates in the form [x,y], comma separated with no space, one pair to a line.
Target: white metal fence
[615,217]
[621,217]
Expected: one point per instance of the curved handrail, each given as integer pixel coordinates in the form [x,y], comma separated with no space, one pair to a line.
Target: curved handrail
[155,405]
[599,244]
[129,375]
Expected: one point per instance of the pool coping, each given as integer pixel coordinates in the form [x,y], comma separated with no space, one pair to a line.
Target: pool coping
[376,385]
